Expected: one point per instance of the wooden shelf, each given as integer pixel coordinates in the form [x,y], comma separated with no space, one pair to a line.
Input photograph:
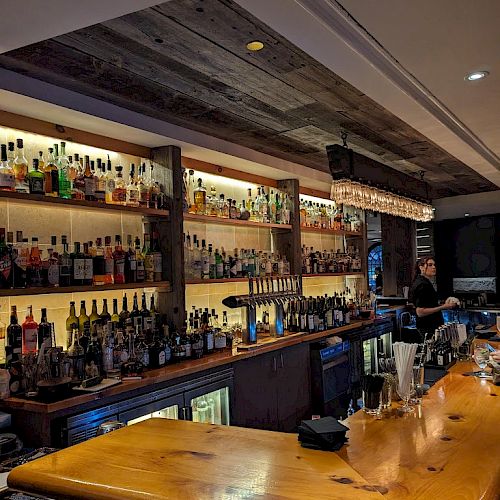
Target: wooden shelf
[15,292]
[331,232]
[332,274]
[222,280]
[39,199]
[233,222]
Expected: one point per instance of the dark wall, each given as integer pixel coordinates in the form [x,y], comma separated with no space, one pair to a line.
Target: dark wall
[466,248]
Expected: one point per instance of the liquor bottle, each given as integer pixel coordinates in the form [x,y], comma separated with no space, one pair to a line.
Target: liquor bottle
[219,265]
[51,175]
[44,330]
[211,263]
[149,267]
[119,261]
[83,319]
[200,198]
[76,357]
[36,179]
[139,259]
[89,181]
[109,262]
[5,262]
[14,338]
[88,268]
[119,194]
[7,176]
[35,265]
[135,314]
[100,182]
[143,187]
[132,367]
[132,190]
[131,262]
[110,182]
[64,179]
[157,257]
[93,356]
[71,324]
[205,261]
[29,333]
[78,187]
[141,350]
[124,313]
[20,168]
[99,264]
[65,264]
[53,271]
[115,318]
[94,316]
[105,316]
[156,352]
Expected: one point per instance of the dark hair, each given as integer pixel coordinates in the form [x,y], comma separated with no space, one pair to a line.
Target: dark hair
[422,262]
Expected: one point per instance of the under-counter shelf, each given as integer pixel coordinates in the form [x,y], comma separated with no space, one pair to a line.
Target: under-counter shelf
[15,292]
[320,275]
[233,222]
[332,232]
[40,199]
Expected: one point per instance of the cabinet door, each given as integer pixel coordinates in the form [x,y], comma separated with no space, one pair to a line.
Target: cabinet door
[255,386]
[294,386]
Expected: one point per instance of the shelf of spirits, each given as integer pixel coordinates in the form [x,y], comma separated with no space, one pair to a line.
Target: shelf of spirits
[16,292]
[319,275]
[233,222]
[332,232]
[209,281]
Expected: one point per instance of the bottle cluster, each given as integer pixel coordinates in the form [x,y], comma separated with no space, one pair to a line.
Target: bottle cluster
[328,216]
[74,177]
[105,343]
[24,264]
[333,261]
[269,205]
[205,262]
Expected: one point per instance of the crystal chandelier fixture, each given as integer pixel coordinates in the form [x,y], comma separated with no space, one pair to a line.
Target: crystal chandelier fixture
[370,198]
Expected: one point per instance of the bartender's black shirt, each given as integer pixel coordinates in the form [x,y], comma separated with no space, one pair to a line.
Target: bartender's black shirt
[423,294]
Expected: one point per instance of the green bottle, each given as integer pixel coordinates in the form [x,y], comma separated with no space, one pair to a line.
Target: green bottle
[36,179]
[219,265]
[64,180]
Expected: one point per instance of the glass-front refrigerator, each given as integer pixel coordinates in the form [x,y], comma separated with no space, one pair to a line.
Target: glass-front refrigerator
[369,356]
[210,407]
[164,408]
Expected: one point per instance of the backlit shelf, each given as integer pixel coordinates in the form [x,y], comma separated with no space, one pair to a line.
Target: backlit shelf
[233,222]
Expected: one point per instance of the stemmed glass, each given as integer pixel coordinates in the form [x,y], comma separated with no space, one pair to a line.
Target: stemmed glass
[404,390]
[481,357]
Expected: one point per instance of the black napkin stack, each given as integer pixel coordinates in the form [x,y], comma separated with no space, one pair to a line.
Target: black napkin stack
[325,433]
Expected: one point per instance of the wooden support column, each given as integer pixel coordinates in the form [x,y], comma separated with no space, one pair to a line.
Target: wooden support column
[171,239]
[288,242]
[398,253]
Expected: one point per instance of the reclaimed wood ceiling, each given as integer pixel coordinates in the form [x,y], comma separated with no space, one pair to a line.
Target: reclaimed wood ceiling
[186,62]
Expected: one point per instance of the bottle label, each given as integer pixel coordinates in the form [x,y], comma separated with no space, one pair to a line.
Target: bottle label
[65,269]
[30,339]
[210,341]
[119,266]
[220,341]
[189,350]
[53,274]
[220,270]
[133,196]
[140,270]
[440,360]
[149,266]
[89,186]
[79,269]
[119,196]
[109,266]
[36,185]
[5,266]
[7,180]
[132,264]
[100,195]
[157,262]
[161,358]
[310,321]
[206,266]
[88,271]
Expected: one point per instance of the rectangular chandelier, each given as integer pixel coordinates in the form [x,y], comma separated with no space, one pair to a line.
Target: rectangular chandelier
[359,195]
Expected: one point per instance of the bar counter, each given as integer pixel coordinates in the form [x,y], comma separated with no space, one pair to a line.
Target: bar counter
[447,449]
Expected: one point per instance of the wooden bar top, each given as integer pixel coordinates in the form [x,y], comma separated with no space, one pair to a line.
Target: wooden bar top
[173,459]
[174,371]
[448,449]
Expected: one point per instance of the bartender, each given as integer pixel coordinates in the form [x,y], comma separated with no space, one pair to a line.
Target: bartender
[425,298]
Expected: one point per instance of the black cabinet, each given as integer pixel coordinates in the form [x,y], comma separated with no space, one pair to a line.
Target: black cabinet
[272,391]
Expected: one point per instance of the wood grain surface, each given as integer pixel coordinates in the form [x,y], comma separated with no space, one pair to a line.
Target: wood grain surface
[448,449]
[186,62]
[161,458]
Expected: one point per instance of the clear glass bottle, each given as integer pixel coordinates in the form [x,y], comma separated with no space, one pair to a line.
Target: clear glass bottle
[119,194]
[71,324]
[143,187]
[149,267]
[76,356]
[51,175]
[119,261]
[132,190]
[7,176]
[20,168]
[200,198]
[100,190]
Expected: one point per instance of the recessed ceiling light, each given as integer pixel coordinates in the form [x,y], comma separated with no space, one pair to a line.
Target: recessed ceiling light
[466,214]
[476,75]
[255,46]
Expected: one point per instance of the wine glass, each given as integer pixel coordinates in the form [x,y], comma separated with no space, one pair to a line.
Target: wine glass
[481,357]
[404,391]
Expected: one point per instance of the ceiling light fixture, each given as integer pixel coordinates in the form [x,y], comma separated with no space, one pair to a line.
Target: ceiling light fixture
[466,214]
[255,46]
[476,75]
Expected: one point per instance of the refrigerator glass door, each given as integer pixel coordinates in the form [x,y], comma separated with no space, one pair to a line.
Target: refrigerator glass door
[369,355]
[163,408]
[212,407]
